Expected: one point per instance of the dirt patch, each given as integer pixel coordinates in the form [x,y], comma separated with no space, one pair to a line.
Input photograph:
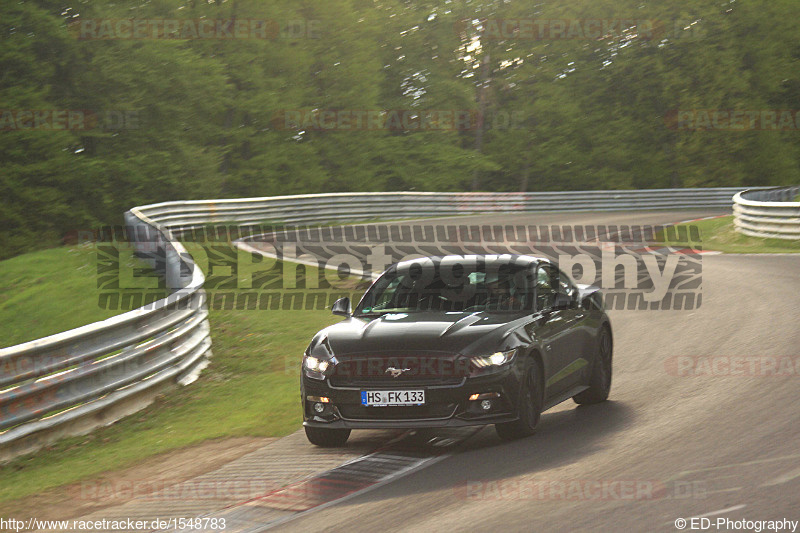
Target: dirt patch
[98,492]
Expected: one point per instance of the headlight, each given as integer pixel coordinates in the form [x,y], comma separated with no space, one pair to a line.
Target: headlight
[314,367]
[496,359]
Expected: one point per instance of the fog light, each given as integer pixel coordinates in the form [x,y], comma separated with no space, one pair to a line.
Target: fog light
[318,407]
[486,405]
[484,396]
[322,399]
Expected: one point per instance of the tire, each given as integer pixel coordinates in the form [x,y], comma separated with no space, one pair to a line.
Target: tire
[530,408]
[600,380]
[327,438]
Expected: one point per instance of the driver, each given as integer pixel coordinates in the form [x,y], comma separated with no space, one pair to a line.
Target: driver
[500,295]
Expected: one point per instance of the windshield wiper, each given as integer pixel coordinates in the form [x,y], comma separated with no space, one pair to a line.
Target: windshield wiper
[371,314]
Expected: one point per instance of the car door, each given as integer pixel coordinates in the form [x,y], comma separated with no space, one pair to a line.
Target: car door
[578,334]
[556,330]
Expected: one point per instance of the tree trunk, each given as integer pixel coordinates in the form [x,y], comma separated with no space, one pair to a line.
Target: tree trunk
[483,86]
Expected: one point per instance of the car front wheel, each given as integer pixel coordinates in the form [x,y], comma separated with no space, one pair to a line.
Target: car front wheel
[530,409]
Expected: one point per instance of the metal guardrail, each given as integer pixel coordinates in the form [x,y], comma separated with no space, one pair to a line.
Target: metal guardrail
[326,208]
[57,381]
[67,379]
[768,212]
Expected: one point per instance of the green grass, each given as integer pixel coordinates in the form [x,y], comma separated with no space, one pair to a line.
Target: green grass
[719,234]
[47,292]
[251,387]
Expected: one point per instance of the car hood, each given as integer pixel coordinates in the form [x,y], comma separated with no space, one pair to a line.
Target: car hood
[428,332]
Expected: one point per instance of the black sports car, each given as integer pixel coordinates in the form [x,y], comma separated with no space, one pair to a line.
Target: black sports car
[456,341]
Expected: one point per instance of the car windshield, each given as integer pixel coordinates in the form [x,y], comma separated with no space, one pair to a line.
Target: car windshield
[451,286]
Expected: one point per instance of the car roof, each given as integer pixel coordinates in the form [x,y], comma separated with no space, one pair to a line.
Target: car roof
[487,259]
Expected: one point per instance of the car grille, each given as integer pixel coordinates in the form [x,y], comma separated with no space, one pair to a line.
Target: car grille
[359,412]
[341,382]
[420,371]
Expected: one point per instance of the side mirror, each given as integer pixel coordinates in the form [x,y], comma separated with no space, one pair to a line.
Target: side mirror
[590,297]
[341,307]
[561,301]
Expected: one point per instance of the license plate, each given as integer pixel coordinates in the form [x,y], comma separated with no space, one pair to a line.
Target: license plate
[382,398]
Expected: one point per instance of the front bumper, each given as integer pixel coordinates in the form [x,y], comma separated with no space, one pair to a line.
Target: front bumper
[446,405]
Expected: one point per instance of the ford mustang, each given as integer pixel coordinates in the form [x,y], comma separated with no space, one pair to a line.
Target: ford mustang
[457,341]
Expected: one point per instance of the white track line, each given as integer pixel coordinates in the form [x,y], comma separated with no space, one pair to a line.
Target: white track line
[722,511]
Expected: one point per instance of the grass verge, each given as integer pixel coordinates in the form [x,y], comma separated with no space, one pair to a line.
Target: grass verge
[719,234]
[42,293]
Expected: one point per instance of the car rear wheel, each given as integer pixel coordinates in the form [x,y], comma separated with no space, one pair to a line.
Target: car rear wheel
[600,380]
[530,409]
[327,438]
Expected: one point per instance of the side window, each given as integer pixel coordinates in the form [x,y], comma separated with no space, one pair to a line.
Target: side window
[545,286]
[565,285]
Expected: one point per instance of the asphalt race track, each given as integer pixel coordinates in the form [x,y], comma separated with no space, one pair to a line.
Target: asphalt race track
[703,422]
[723,443]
